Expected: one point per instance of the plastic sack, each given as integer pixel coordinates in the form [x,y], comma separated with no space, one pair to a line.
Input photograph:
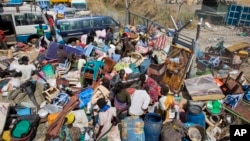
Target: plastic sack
[59,39]
[85,97]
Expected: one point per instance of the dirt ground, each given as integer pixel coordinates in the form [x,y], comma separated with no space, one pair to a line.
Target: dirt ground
[210,36]
[230,34]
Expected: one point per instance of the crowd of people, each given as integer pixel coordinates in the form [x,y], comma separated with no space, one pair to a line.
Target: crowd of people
[121,100]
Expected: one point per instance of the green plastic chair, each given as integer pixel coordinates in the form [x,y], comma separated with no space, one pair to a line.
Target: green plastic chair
[93,66]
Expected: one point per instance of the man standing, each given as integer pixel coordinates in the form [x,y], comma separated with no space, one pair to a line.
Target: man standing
[140,101]
[3,40]
[26,69]
[40,31]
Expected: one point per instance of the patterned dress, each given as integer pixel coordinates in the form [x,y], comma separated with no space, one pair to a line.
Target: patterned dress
[154,90]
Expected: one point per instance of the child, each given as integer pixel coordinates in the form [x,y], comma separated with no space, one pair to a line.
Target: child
[81,62]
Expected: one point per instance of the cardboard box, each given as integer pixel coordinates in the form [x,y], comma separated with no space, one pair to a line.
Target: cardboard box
[7,53]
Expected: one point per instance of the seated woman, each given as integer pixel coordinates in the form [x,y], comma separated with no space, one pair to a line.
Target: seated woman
[81,62]
[62,55]
[118,77]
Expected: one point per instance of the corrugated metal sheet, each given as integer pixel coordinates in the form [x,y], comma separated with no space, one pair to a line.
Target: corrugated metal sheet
[238,15]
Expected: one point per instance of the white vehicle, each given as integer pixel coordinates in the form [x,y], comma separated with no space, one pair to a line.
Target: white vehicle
[20,23]
[79,5]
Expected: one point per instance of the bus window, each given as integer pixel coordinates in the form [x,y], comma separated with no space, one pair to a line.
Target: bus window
[76,24]
[108,21]
[86,24]
[5,17]
[64,25]
[96,23]
[19,19]
[6,24]
[28,19]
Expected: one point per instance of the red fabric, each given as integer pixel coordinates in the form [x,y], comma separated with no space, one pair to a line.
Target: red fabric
[151,43]
[2,36]
[21,45]
[161,42]
[154,90]
[51,22]
[130,90]
[82,45]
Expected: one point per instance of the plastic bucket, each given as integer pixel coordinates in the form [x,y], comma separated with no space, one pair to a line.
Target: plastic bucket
[152,127]
[132,129]
[195,115]
[26,138]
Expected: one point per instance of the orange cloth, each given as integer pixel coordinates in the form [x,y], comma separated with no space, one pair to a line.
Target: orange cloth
[52,117]
[168,104]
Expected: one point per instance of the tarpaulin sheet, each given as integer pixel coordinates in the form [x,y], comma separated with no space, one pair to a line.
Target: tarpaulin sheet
[53,47]
[11,2]
[203,88]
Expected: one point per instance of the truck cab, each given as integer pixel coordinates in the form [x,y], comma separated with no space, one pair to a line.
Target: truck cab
[79,5]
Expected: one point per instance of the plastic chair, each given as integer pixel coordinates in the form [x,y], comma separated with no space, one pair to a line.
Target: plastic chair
[93,66]
[109,64]
[63,68]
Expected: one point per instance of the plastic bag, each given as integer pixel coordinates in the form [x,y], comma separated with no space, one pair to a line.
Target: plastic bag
[59,39]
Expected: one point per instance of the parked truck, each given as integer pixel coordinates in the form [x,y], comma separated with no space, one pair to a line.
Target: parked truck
[79,5]
[59,1]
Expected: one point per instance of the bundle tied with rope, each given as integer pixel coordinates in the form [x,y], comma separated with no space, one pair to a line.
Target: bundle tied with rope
[173,131]
[54,129]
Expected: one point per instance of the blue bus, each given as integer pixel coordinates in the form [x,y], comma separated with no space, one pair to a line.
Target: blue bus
[72,28]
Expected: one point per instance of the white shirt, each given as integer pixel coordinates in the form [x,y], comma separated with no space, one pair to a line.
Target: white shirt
[140,100]
[80,64]
[26,71]
[162,103]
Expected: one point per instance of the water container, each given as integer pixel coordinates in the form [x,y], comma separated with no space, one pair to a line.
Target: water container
[132,129]
[195,115]
[152,128]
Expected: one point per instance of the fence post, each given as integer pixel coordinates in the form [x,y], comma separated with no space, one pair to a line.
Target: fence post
[193,69]
[129,14]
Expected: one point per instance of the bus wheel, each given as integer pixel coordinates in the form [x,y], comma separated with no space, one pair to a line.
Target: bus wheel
[70,40]
[33,38]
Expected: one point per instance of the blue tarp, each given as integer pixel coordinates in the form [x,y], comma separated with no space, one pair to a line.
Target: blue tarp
[60,8]
[53,47]
[43,4]
[88,50]
[12,3]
